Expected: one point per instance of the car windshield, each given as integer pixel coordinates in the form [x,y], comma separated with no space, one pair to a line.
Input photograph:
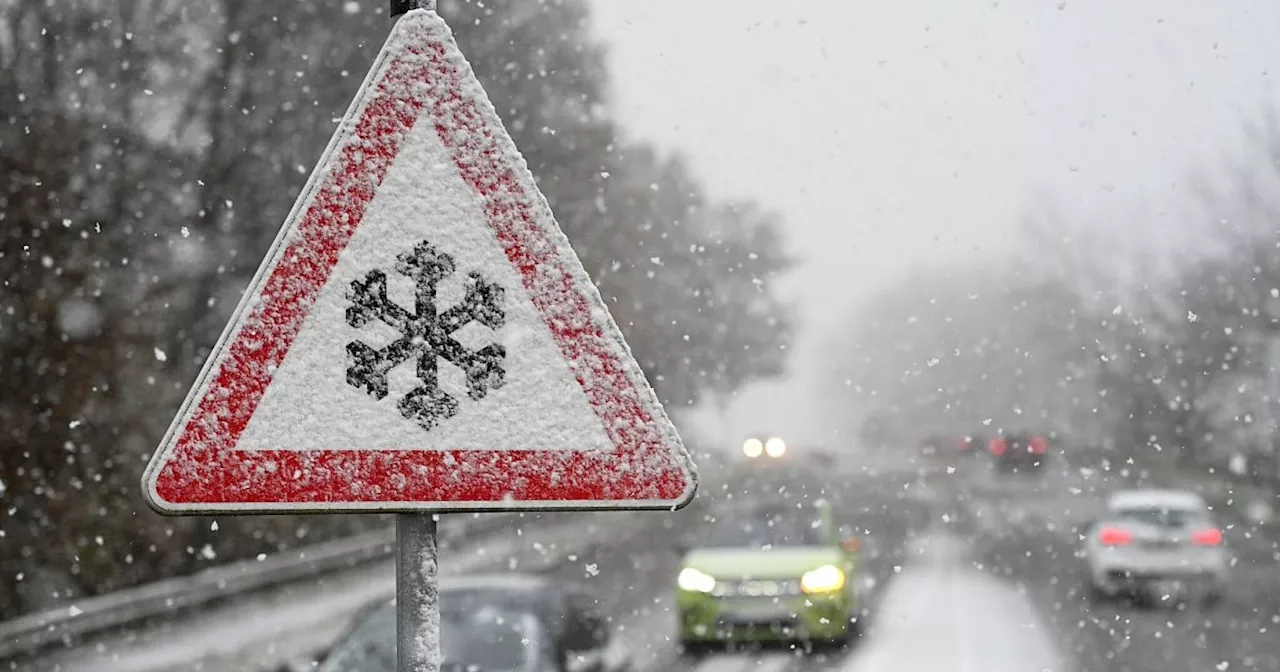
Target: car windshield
[766,531]
[482,640]
[1162,516]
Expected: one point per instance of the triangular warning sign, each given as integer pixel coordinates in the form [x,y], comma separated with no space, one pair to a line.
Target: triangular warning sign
[421,336]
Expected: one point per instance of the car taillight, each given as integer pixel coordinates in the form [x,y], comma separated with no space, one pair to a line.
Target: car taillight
[1039,446]
[997,446]
[1110,536]
[1209,537]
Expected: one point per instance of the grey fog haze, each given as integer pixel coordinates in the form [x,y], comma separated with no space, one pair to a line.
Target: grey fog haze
[893,134]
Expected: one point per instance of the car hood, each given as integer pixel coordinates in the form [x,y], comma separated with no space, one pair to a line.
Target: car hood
[751,563]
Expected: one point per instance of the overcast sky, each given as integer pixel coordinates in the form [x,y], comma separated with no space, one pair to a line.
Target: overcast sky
[895,132]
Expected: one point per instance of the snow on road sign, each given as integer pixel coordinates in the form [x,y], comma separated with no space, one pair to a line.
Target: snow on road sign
[421,336]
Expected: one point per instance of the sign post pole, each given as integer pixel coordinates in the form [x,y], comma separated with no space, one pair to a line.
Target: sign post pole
[399,7]
[417,554]
[417,594]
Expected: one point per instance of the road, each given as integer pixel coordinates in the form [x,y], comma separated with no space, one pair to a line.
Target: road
[963,571]
[1025,532]
[923,587]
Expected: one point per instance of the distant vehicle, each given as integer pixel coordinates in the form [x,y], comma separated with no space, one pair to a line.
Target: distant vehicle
[973,444]
[495,623]
[1019,452]
[771,449]
[1156,543]
[946,445]
[768,448]
[769,573]
[932,446]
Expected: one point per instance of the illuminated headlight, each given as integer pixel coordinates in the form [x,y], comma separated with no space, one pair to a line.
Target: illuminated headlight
[752,448]
[694,581]
[825,579]
[775,447]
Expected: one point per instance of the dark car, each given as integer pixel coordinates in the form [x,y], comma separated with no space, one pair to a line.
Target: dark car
[973,444]
[944,446]
[495,623]
[1019,451]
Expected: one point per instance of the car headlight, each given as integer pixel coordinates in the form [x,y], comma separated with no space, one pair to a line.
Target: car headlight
[775,447]
[825,579]
[695,581]
[752,448]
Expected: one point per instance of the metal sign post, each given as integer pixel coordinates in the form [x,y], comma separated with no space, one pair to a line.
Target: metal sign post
[417,554]
[399,7]
[417,594]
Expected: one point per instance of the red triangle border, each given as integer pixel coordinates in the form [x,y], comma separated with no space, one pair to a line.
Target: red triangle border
[204,472]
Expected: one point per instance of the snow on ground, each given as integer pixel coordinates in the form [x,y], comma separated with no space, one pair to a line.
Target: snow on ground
[941,614]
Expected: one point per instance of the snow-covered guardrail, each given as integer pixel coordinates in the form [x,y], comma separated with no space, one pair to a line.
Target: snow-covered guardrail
[65,624]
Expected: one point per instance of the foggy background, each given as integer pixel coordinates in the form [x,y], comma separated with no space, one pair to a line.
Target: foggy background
[899,137]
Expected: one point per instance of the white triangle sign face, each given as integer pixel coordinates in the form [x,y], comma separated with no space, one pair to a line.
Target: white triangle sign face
[421,336]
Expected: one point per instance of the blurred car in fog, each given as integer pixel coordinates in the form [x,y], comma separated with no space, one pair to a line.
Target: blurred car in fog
[494,623]
[973,444]
[949,445]
[1019,452]
[1153,543]
[931,446]
[764,448]
[774,460]
[771,572]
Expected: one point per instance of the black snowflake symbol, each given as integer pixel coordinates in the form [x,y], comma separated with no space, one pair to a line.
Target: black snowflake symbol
[425,334]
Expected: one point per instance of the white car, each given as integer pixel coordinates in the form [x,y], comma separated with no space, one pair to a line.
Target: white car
[1156,543]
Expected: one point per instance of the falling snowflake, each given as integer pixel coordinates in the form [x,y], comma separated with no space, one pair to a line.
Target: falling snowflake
[426,335]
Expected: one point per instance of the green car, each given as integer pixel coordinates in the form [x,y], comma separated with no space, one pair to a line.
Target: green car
[771,573]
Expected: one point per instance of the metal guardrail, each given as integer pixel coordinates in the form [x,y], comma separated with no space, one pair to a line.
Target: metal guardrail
[27,635]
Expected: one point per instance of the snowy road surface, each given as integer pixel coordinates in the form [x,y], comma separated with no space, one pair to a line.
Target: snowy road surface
[968,571]
[1028,539]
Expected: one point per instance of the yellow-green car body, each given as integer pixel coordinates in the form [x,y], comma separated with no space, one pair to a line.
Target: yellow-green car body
[792,579]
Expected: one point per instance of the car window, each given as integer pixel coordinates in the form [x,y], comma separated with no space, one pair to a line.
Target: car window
[1162,516]
[484,640]
[371,647]
[767,531]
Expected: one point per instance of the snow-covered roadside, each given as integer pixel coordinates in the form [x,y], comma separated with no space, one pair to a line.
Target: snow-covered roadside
[265,631]
[942,614]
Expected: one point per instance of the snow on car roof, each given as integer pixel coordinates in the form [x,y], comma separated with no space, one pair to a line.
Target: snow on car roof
[1168,499]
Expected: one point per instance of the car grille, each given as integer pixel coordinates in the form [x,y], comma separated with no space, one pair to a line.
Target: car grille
[756,588]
